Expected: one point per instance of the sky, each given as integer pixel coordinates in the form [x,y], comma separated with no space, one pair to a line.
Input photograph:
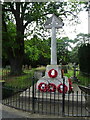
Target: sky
[73,31]
[70,30]
[82,27]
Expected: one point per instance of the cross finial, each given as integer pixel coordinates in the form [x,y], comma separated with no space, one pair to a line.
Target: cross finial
[58,22]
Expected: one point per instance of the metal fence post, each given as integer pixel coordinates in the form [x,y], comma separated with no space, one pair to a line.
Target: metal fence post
[33,95]
[63,98]
[75,79]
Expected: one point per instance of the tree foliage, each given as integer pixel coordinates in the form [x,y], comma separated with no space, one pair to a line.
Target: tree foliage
[62,50]
[82,39]
[8,41]
[74,55]
[23,14]
[84,58]
[37,51]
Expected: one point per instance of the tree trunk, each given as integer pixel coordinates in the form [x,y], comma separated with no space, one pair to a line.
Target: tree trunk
[16,65]
[17,59]
[15,52]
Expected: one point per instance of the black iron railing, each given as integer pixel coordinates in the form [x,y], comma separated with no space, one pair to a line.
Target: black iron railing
[32,100]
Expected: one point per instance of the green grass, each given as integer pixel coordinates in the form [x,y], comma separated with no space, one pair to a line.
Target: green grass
[0,72]
[25,80]
[42,68]
[2,80]
[84,80]
[20,82]
[69,74]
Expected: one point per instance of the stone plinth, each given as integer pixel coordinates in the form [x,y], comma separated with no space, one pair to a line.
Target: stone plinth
[56,67]
[57,80]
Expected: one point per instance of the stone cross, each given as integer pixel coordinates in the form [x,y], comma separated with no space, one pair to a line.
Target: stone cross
[53,23]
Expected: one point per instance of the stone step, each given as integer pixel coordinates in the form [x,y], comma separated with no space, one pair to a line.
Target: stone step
[55,95]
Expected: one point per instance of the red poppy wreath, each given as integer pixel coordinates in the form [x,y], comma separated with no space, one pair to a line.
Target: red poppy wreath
[52,73]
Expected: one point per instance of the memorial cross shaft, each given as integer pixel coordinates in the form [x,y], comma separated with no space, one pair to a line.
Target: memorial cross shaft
[53,44]
[53,23]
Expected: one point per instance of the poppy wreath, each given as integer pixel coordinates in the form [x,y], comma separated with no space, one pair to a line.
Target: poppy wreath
[51,87]
[70,85]
[61,89]
[43,87]
[69,80]
[52,76]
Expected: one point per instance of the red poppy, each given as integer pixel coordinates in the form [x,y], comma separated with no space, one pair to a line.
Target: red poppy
[60,88]
[52,73]
[43,87]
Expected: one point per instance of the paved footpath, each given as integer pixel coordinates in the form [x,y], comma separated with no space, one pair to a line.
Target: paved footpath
[8,112]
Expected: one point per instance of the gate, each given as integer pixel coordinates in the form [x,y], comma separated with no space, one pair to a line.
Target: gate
[32,100]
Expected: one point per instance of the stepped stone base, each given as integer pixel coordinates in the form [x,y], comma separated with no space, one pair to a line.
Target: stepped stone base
[54,95]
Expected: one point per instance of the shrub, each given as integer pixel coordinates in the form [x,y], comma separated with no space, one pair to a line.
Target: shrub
[84,58]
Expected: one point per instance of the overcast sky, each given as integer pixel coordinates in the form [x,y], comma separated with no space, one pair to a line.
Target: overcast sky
[80,28]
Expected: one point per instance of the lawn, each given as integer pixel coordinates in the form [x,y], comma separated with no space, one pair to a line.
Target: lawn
[69,74]
[84,80]
[0,72]
[20,82]
[25,80]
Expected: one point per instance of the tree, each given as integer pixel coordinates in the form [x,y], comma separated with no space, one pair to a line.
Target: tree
[23,14]
[74,55]
[18,10]
[82,39]
[84,58]
[62,50]
[37,51]
[8,36]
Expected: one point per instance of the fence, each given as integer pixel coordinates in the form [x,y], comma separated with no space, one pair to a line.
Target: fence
[32,100]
